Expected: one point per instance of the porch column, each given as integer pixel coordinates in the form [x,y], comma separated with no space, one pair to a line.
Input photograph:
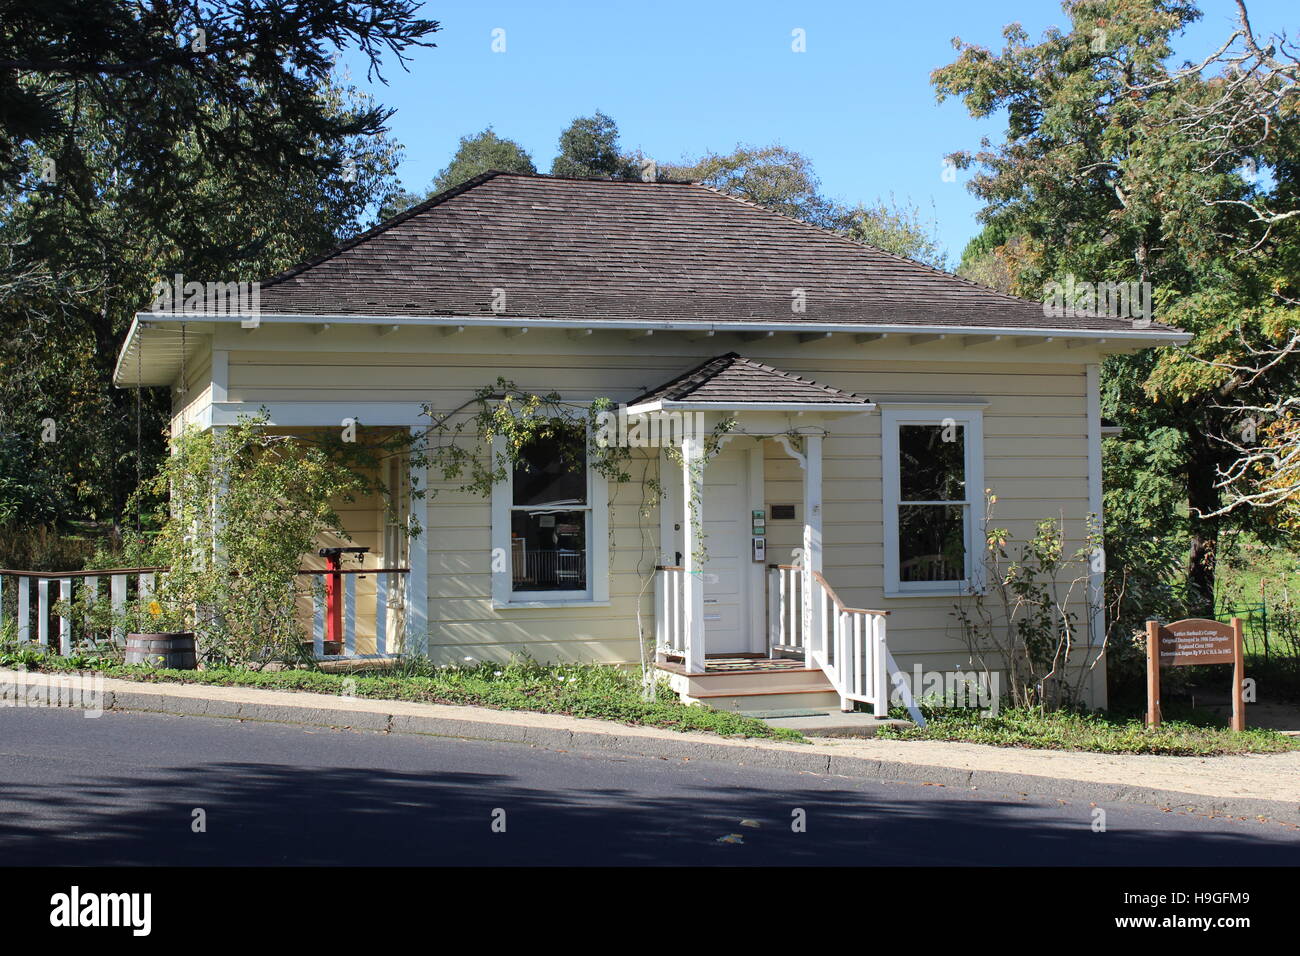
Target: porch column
[812,542]
[692,581]
[415,640]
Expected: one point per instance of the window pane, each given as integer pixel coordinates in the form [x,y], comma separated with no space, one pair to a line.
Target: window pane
[932,462]
[930,546]
[548,550]
[553,470]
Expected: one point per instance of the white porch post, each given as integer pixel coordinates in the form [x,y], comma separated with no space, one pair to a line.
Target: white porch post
[812,542]
[416,639]
[692,581]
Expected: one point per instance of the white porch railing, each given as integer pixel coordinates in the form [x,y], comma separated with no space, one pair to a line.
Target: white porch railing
[40,604]
[670,612]
[848,643]
[385,607]
[39,595]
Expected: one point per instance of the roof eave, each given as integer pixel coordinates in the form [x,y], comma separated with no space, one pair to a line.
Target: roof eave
[838,408]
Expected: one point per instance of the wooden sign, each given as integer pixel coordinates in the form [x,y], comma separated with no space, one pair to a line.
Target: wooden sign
[1196,641]
[1190,642]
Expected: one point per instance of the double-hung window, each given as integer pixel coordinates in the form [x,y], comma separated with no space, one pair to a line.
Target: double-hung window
[549,523]
[933,470]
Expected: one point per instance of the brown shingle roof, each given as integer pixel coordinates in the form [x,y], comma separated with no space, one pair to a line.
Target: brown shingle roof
[597,249]
[732,379]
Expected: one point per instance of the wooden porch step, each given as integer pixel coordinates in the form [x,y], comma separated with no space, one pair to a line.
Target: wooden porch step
[757,688]
[827,701]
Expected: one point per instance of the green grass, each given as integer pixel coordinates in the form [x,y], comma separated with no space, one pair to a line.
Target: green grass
[1192,737]
[578,690]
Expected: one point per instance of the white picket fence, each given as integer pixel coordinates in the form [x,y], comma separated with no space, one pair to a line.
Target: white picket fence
[38,603]
[41,593]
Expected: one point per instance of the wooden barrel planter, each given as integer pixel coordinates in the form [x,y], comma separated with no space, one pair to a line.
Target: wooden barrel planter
[173,650]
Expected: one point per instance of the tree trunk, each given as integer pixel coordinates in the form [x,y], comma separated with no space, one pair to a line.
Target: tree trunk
[1202,497]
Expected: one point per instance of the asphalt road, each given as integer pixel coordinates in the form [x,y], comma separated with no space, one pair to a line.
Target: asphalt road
[123,789]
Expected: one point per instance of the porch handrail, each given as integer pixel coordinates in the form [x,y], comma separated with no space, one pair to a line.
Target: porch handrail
[670,610]
[847,643]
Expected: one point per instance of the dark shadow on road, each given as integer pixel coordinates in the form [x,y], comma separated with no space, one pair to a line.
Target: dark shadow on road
[262,813]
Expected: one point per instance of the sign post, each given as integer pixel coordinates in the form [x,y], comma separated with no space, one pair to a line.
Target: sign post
[1153,673]
[1238,677]
[1190,642]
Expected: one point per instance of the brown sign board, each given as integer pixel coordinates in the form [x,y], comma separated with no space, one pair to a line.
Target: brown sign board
[1196,641]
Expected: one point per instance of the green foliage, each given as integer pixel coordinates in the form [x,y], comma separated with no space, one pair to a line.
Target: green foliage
[244,506]
[578,690]
[775,177]
[1105,172]
[230,164]
[783,180]
[459,444]
[480,153]
[1025,622]
[589,150]
[894,227]
[244,77]
[1065,730]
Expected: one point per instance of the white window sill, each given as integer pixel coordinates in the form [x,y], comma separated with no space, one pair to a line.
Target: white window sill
[958,589]
[513,605]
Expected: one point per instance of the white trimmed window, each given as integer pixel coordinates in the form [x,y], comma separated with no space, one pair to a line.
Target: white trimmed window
[550,525]
[933,470]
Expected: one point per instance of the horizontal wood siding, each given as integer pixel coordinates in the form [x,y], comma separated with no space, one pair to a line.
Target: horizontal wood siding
[1035,443]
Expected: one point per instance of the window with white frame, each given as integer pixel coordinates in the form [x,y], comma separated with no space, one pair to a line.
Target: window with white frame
[549,523]
[933,470]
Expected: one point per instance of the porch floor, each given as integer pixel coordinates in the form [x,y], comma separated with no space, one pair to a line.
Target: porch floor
[740,665]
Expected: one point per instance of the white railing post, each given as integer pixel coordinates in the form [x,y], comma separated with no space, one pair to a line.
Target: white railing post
[350,614]
[91,583]
[661,609]
[117,599]
[692,535]
[24,610]
[415,589]
[317,620]
[381,612]
[65,617]
[879,667]
[43,611]
[773,611]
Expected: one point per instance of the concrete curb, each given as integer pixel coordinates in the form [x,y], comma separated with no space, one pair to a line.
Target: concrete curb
[556,732]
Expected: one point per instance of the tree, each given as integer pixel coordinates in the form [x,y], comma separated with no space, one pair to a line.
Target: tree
[783,180]
[589,150]
[775,177]
[215,68]
[178,164]
[480,153]
[1099,176]
[894,227]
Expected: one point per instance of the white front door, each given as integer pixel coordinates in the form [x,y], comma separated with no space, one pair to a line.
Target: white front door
[730,623]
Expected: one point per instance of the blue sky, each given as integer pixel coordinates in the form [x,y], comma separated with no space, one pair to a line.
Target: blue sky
[682,78]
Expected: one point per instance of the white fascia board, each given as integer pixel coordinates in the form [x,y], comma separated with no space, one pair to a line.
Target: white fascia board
[322,414]
[505,320]
[841,408]
[934,403]
[1133,338]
